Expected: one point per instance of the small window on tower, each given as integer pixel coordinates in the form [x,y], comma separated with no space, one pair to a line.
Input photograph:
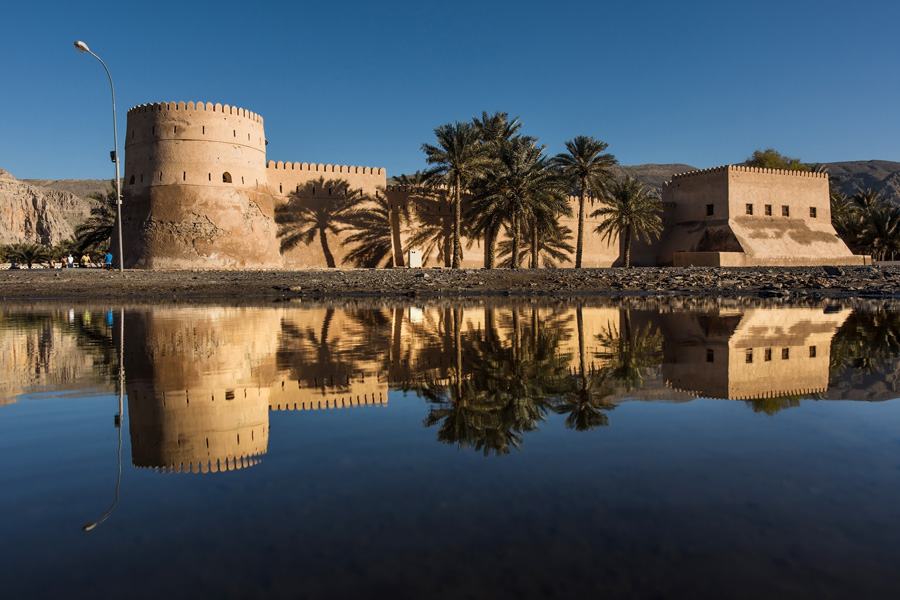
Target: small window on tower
[226,177]
[785,211]
[709,210]
[768,210]
[812,212]
[749,209]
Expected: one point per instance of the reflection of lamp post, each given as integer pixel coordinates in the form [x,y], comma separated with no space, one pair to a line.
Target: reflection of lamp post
[82,47]
[118,419]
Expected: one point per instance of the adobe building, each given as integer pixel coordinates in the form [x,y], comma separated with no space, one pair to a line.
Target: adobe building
[750,354]
[199,193]
[737,216]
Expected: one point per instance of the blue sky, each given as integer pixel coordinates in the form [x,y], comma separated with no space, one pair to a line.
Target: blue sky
[365,83]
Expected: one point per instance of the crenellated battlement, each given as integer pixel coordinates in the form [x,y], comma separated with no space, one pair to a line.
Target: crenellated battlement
[196,106]
[745,169]
[320,168]
[217,465]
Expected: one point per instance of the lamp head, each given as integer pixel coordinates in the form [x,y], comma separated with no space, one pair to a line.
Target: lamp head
[81,47]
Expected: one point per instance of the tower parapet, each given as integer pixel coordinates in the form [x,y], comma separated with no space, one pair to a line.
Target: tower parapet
[196,193]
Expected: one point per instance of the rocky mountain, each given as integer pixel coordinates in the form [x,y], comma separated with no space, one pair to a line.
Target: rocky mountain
[35,214]
[881,175]
[80,187]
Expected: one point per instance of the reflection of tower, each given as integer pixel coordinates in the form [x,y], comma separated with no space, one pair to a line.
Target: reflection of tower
[198,387]
[757,353]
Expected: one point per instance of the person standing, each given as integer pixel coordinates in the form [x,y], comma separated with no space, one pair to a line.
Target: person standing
[85,260]
[70,262]
[107,261]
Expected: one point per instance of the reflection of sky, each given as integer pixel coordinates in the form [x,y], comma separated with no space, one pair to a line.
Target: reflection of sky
[702,496]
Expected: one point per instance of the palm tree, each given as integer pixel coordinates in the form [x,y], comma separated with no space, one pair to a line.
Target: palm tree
[302,219]
[94,233]
[588,169]
[880,235]
[525,190]
[496,128]
[493,131]
[629,210]
[29,254]
[457,159]
[550,248]
[373,233]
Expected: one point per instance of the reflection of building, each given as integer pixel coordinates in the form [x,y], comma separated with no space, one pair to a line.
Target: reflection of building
[755,353]
[198,386]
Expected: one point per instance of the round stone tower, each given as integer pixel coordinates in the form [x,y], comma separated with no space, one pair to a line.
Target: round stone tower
[195,189]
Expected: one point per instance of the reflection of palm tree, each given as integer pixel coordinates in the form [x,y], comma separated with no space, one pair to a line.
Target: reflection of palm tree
[302,218]
[585,404]
[865,343]
[323,360]
[630,353]
[506,393]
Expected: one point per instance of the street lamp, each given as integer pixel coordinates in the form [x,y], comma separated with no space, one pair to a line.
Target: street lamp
[82,47]
[118,420]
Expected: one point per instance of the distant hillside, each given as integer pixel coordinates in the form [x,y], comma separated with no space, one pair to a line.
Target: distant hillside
[881,175]
[653,176]
[80,187]
[36,214]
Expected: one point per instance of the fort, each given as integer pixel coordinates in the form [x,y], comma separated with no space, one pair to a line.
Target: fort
[199,193]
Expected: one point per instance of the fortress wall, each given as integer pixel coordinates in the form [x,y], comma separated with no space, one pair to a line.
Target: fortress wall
[692,192]
[195,192]
[798,191]
[306,179]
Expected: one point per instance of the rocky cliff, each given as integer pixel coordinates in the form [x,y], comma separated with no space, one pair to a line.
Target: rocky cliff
[36,214]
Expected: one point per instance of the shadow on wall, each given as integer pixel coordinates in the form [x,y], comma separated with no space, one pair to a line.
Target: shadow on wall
[328,211]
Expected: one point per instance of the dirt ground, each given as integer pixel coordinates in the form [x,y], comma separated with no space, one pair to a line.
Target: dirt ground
[763,282]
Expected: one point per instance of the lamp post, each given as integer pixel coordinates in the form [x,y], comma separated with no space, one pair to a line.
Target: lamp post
[118,420]
[82,47]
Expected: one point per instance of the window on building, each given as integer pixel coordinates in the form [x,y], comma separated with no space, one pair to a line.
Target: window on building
[785,211]
[131,181]
[768,210]
[226,177]
[812,212]
[785,353]
[812,351]
[709,210]
[749,358]
[768,354]
[710,355]
[749,209]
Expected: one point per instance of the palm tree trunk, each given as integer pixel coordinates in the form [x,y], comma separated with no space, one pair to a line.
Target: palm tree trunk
[490,239]
[515,241]
[534,246]
[582,367]
[579,244]
[457,222]
[457,342]
[626,239]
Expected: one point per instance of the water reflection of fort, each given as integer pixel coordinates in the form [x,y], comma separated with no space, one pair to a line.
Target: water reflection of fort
[201,381]
[750,354]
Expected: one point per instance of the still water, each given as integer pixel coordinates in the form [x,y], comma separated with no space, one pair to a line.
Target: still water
[451,451]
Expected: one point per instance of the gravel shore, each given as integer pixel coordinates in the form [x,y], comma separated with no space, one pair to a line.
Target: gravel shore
[761,282]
